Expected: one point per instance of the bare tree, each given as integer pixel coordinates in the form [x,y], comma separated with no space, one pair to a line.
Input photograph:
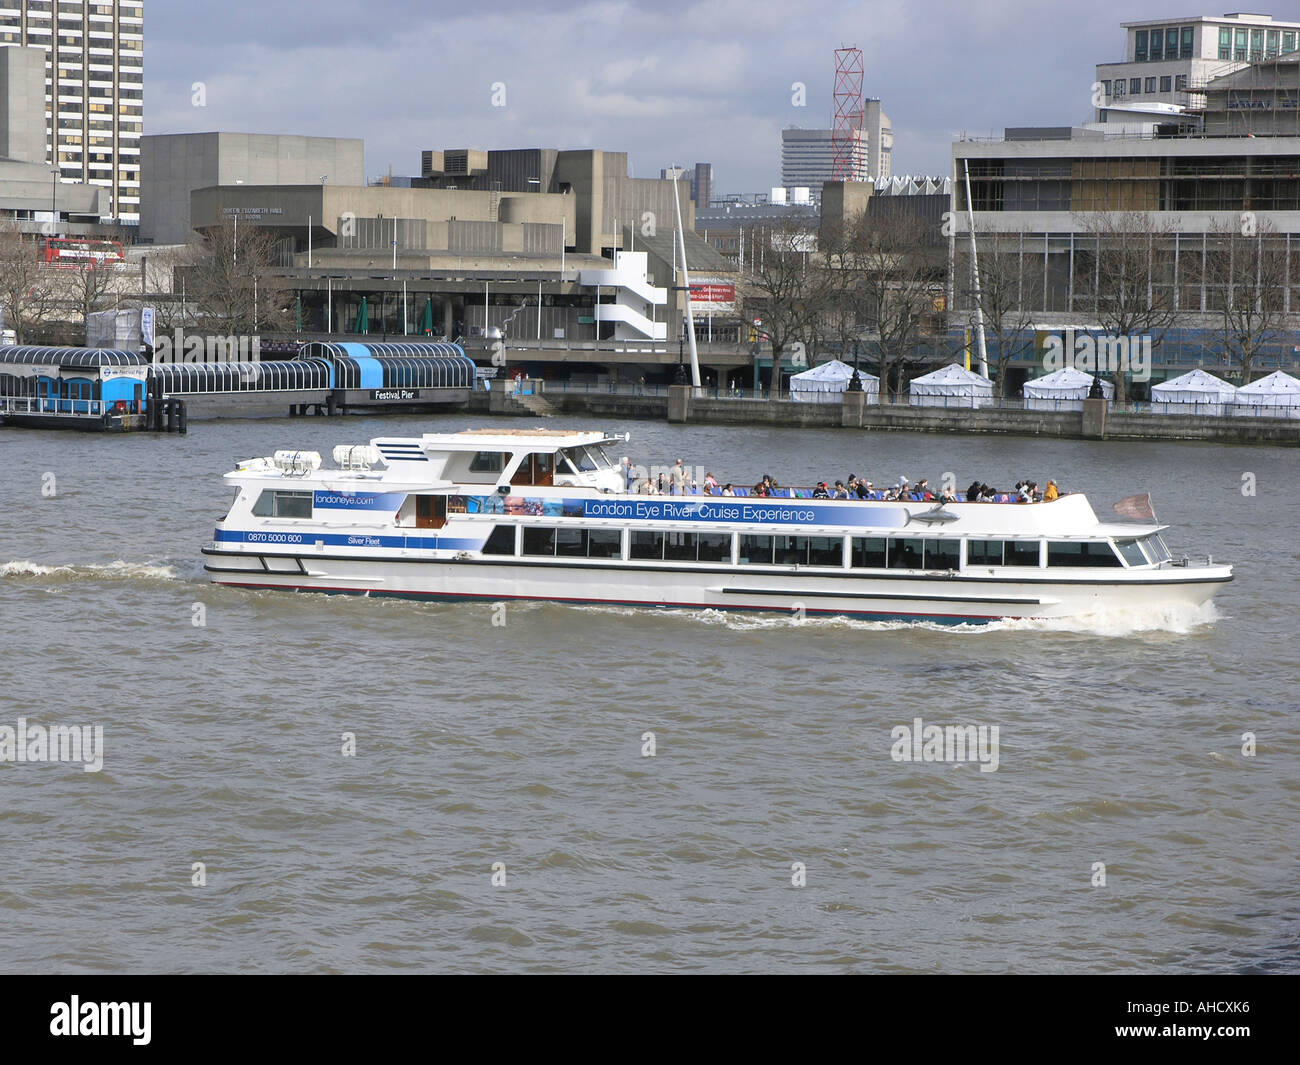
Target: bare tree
[1003,283]
[784,290]
[233,278]
[1131,299]
[899,277]
[26,291]
[88,286]
[1246,274]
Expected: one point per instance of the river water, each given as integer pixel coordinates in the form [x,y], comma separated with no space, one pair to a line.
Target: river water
[524,744]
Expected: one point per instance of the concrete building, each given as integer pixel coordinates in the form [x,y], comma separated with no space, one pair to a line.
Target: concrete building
[879,131]
[93,91]
[31,194]
[605,197]
[1169,61]
[701,176]
[176,164]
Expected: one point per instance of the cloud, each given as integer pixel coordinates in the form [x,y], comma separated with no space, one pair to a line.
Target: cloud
[671,81]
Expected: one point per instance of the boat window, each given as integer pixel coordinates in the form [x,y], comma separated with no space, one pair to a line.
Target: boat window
[942,554]
[1132,552]
[906,553]
[501,542]
[755,548]
[605,543]
[271,504]
[825,551]
[680,546]
[571,542]
[538,541]
[646,543]
[868,552]
[600,456]
[715,547]
[1022,553]
[487,462]
[579,458]
[565,463]
[1080,553]
[983,552]
[809,551]
[1155,546]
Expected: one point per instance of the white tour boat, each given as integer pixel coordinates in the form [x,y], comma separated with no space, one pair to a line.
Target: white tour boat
[499,515]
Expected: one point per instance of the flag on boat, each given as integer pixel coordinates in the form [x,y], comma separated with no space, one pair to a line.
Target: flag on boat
[1137,508]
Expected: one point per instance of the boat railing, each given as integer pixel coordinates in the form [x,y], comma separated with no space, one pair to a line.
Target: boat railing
[54,405]
[807,493]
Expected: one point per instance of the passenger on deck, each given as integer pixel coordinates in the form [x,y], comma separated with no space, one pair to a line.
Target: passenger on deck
[820,491]
[678,477]
[760,489]
[710,485]
[987,495]
[726,489]
[1024,493]
[947,495]
[973,492]
[663,485]
[923,489]
[840,492]
[648,487]
[1051,493]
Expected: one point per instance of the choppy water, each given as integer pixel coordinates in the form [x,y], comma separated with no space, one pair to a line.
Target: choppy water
[1120,742]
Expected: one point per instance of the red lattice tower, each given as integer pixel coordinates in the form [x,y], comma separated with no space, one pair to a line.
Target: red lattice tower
[848,114]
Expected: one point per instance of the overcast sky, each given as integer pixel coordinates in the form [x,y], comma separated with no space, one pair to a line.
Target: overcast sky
[668,81]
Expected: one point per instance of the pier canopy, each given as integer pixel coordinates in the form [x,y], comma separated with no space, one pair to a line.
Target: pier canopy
[75,358]
[205,378]
[426,365]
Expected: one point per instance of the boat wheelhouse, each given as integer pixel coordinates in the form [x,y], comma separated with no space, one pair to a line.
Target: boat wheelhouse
[499,515]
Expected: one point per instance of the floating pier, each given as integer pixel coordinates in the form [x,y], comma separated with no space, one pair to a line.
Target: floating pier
[110,389]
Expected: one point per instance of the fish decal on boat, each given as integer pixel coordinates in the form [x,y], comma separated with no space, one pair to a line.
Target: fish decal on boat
[936,515]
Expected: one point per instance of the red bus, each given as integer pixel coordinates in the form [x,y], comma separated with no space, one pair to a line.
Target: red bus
[73,251]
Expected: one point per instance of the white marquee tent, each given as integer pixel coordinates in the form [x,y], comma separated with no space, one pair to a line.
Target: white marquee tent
[826,383]
[1274,396]
[1195,392]
[950,386]
[1064,389]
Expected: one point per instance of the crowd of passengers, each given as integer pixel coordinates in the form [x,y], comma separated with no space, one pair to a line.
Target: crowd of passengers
[676,481]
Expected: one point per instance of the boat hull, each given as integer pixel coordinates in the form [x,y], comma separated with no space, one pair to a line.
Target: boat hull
[958,599]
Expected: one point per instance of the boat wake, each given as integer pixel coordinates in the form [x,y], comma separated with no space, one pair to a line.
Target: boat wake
[1178,621]
[90,571]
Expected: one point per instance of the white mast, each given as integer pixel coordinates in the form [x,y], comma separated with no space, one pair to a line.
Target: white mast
[975,276]
[686,281]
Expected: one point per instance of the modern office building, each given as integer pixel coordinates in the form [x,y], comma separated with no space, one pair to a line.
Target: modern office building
[1044,199]
[94,91]
[808,157]
[176,164]
[1170,61]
